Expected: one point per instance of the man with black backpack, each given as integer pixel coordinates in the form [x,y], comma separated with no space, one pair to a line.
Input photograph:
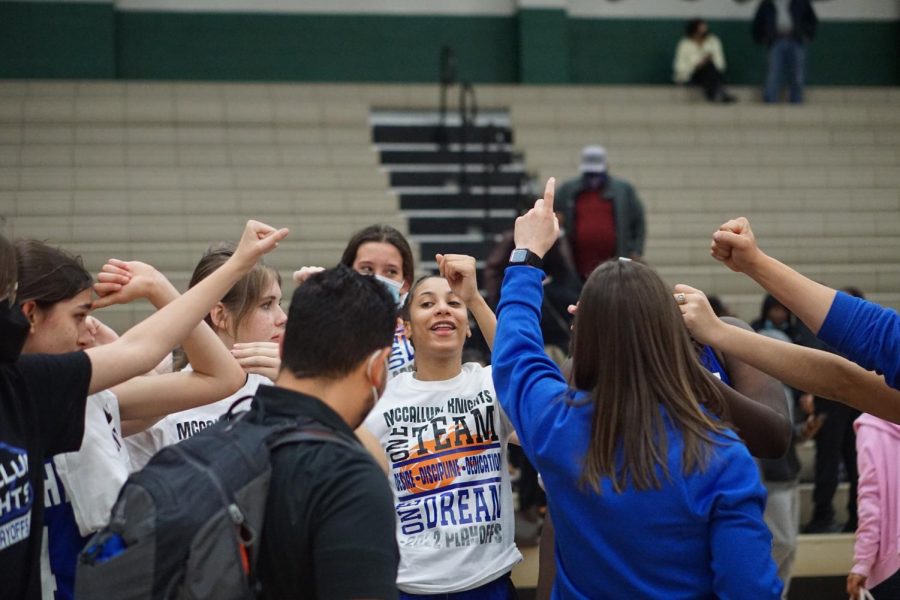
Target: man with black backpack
[329,528]
[279,502]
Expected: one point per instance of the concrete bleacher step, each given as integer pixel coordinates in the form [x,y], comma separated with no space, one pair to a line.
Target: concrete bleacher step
[426,95]
[293,253]
[870,277]
[787,224]
[724,136]
[171,155]
[189,177]
[567,114]
[166,229]
[246,203]
[747,306]
[832,250]
[563,160]
[772,200]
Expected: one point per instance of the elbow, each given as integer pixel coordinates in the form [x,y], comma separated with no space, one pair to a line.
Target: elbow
[234,381]
[774,443]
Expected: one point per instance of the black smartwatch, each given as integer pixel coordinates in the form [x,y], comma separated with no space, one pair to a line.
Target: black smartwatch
[524,256]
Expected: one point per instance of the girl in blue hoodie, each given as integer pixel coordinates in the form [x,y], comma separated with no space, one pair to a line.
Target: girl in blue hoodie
[652,495]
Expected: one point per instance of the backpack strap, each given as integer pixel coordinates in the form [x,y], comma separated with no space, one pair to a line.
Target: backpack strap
[231,414]
[308,431]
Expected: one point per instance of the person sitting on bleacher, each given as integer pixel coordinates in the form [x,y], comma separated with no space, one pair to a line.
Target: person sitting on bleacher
[700,61]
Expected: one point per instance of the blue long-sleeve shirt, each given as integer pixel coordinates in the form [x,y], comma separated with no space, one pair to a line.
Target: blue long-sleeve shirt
[701,535]
[866,333]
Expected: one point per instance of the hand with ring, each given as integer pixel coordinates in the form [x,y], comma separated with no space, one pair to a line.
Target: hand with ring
[698,315]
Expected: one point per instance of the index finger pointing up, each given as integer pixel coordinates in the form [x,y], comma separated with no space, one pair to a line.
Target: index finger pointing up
[549,191]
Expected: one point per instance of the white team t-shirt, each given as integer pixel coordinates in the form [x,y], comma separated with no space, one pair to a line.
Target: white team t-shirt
[182,425]
[446,446]
[93,475]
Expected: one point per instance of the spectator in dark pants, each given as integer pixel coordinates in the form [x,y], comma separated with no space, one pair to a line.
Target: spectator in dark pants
[699,60]
[785,27]
[835,444]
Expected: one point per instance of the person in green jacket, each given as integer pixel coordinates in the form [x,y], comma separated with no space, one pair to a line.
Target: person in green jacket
[602,214]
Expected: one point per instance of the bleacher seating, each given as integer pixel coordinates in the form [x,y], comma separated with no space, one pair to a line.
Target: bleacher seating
[157,170]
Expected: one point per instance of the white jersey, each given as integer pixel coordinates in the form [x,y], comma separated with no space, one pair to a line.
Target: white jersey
[182,425]
[446,444]
[93,476]
[402,355]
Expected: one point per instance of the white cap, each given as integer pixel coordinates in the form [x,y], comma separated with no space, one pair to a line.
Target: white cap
[593,159]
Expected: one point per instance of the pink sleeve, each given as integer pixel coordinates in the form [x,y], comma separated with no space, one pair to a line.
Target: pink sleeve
[869,505]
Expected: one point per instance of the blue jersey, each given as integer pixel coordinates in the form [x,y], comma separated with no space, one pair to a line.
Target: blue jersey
[711,362]
[62,540]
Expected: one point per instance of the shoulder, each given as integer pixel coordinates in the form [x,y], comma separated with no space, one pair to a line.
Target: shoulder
[53,365]
[474,370]
[329,469]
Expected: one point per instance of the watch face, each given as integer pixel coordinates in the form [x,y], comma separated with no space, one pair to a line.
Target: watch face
[518,255]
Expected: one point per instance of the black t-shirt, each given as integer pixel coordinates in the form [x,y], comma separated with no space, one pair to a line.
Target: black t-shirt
[329,529]
[42,401]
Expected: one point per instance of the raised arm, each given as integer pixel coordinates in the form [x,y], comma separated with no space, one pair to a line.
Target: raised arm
[459,271]
[214,373]
[865,332]
[768,435]
[735,245]
[142,347]
[525,378]
[820,373]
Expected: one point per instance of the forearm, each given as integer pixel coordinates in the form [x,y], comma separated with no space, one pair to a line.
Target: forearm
[820,373]
[524,376]
[809,300]
[144,345]
[155,396]
[206,352]
[486,319]
[766,432]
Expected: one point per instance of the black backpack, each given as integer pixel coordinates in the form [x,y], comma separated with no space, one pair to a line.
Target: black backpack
[187,525]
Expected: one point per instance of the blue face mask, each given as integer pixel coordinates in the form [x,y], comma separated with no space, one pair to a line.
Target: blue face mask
[393,287]
[594,181]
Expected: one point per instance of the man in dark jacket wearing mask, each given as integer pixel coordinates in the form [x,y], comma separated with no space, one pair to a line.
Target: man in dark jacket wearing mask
[602,215]
[785,27]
